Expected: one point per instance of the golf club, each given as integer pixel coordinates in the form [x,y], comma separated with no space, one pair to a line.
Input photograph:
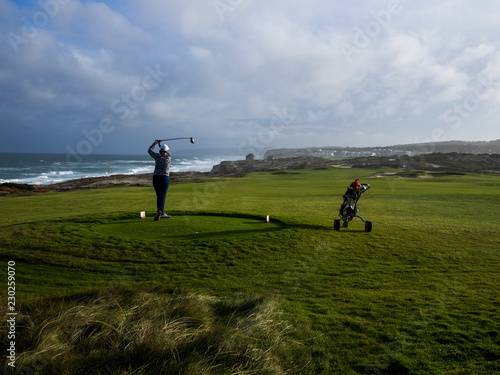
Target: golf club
[174,139]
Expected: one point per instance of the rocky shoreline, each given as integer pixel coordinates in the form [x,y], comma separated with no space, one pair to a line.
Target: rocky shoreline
[118,180]
[237,168]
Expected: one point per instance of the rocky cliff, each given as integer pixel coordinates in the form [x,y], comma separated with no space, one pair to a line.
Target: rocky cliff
[242,167]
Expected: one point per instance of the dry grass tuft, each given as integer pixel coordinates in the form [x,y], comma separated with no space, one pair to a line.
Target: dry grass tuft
[125,331]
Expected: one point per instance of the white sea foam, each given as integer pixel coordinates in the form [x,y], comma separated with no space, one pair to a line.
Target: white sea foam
[46,178]
[59,173]
[140,170]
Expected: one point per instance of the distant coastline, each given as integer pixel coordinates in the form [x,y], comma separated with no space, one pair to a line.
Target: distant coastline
[419,165]
[482,147]
[438,164]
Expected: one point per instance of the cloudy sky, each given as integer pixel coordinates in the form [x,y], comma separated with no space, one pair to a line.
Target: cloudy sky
[111,76]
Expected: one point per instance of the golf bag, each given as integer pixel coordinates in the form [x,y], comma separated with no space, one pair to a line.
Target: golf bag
[349,207]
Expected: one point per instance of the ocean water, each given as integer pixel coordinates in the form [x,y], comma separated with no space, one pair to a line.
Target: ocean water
[46,169]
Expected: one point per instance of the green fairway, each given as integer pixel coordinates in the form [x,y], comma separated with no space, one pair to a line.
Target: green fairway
[417,295]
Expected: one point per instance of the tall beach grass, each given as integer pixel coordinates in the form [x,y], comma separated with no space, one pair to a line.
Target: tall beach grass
[155,331]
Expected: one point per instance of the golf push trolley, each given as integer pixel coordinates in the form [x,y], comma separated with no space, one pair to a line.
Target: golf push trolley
[349,208]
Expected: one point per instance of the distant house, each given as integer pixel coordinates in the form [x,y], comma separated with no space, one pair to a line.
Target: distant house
[250,157]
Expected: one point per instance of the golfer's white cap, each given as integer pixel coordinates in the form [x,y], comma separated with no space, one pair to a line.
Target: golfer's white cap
[164,147]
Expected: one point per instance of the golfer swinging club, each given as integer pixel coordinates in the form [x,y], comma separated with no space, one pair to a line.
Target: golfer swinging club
[161,179]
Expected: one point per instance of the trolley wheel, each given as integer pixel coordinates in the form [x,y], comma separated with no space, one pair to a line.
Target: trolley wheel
[368,226]
[336,224]
[345,224]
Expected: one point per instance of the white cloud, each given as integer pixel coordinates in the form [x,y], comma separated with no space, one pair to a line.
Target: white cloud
[97,25]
